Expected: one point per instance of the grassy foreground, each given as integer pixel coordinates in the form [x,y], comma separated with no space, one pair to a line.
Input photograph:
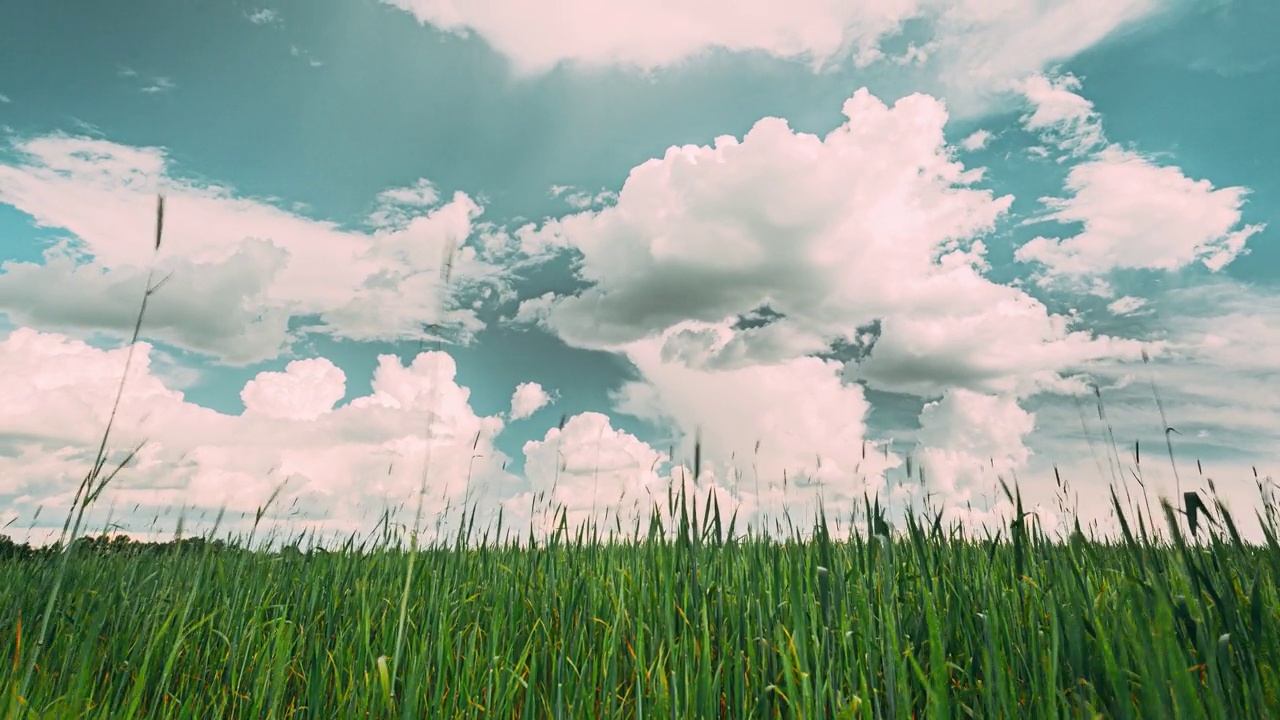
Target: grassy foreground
[696,624]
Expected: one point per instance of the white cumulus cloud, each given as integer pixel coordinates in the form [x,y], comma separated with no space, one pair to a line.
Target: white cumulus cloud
[760,424]
[306,390]
[726,273]
[592,471]
[528,398]
[340,466]
[968,440]
[780,244]
[1137,214]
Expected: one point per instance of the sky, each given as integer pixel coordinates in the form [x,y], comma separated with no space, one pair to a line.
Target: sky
[503,255]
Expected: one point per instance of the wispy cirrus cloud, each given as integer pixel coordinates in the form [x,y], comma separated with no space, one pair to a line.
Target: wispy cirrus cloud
[159,85]
[300,53]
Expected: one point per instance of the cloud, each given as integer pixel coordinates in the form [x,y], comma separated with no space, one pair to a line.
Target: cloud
[242,269]
[298,52]
[591,471]
[4,98]
[868,239]
[1137,214]
[263,16]
[976,140]
[306,390]
[246,326]
[1218,339]
[778,218]
[1222,339]
[159,85]
[580,199]
[974,48]
[393,201]
[528,398]
[968,440]
[656,34]
[761,423]
[732,276]
[1064,118]
[342,465]
[1126,305]
[988,45]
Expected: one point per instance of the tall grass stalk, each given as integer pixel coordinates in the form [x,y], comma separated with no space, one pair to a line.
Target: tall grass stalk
[94,482]
[446,267]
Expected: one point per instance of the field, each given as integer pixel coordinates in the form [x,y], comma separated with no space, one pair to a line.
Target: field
[705,622]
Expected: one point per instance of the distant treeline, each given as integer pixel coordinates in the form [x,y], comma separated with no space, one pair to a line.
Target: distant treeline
[104,545]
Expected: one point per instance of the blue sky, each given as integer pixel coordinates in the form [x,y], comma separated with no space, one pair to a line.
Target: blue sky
[919,227]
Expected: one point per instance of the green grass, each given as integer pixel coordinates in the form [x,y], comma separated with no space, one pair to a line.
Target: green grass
[684,618]
[925,624]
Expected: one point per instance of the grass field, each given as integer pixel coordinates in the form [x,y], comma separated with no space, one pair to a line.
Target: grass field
[687,617]
[919,623]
